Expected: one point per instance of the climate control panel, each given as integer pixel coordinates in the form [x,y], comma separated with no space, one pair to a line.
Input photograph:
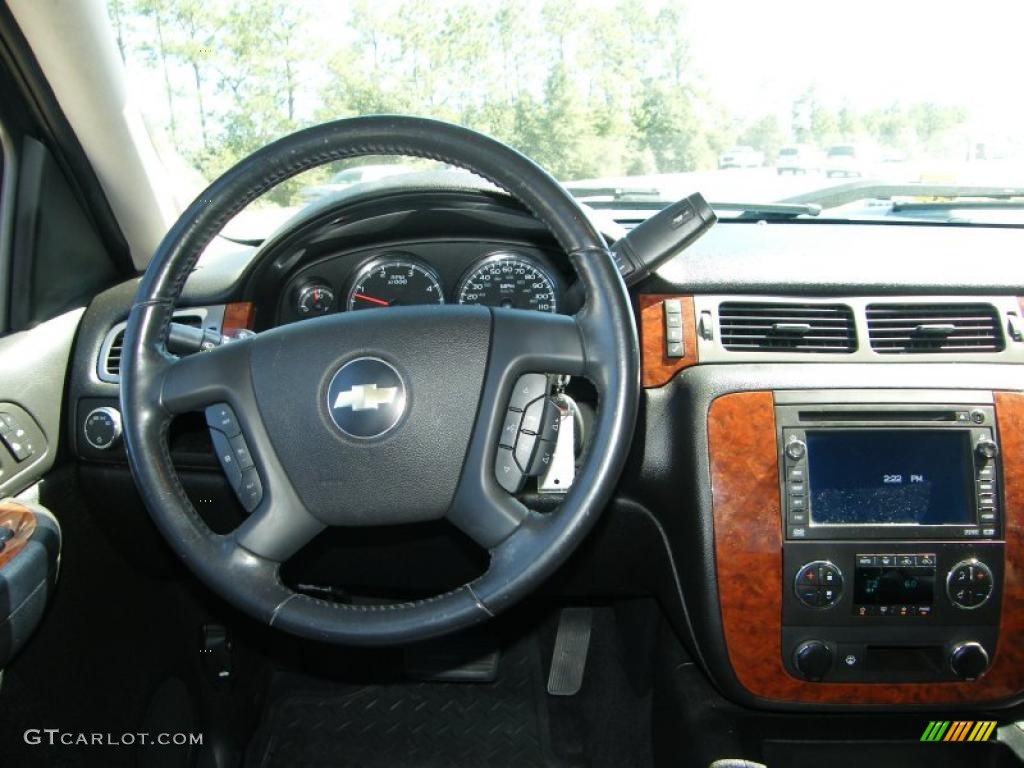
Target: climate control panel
[890,612]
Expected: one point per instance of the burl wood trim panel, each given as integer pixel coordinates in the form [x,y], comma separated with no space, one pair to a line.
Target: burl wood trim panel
[657,369]
[748,559]
[22,522]
[238,315]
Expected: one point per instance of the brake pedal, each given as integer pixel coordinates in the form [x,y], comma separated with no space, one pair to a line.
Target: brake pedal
[569,660]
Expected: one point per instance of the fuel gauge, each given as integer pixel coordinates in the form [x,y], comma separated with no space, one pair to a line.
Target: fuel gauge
[314,299]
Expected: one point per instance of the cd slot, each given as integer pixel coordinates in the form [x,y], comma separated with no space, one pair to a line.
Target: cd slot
[860,415]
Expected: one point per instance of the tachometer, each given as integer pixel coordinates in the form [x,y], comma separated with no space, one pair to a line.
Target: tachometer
[509,280]
[394,280]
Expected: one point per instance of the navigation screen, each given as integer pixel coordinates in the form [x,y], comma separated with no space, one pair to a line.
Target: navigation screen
[890,477]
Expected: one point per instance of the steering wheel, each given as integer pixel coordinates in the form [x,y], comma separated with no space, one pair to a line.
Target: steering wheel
[324,456]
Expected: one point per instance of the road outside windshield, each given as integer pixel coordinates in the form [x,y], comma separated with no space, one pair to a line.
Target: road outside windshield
[908,107]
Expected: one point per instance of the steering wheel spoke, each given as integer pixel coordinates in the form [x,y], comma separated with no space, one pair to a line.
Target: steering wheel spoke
[218,376]
[279,527]
[526,347]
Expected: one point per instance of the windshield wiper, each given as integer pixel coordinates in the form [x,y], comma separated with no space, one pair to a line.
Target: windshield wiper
[769,210]
[949,205]
[833,197]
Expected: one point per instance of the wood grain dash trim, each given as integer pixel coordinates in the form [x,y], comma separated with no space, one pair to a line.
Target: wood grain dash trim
[748,558]
[657,367]
[22,522]
[239,315]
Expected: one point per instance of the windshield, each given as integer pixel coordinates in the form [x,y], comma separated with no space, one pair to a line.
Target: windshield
[632,104]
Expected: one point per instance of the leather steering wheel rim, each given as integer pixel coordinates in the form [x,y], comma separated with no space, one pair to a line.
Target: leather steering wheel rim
[599,343]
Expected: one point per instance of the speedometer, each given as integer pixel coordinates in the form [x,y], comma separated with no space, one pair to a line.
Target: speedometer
[509,280]
[394,280]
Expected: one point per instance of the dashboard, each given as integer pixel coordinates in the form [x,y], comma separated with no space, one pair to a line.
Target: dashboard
[758,335]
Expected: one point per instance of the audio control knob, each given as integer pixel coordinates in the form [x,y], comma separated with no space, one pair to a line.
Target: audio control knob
[968,660]
[812,659]
[103,427]
[796,449]
[986,448]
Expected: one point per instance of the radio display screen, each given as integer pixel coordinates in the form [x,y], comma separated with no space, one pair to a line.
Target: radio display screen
[890,477]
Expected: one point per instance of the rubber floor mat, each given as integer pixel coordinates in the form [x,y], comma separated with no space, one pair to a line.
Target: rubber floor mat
[415,724]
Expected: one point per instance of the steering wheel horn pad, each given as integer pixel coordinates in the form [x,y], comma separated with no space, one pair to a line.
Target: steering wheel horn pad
[439,378]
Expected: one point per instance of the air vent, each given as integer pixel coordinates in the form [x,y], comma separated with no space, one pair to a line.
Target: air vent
[112,362]
[786,327]
[108,366]
[899,329]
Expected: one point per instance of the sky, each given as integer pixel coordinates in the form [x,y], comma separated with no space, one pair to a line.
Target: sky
[869,53]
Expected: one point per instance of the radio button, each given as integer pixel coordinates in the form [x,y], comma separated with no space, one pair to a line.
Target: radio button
[797,502]
[988,515]
[797,518]
[796,449]
[796,475]
[796,489]
[986,486]
[986,474]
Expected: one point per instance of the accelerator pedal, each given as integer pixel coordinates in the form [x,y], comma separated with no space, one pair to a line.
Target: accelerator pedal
[569,660]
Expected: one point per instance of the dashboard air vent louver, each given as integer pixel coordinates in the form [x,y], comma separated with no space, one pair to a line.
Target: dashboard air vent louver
[786,327]
[899,329]
[112,364]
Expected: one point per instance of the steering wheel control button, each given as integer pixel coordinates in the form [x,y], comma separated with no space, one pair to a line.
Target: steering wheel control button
[510,477]
[250,490]
[226,456]
[528,388]
[526,444]
[510,428]
[366,398]
[103,428]
[533,417]
[222,418]
[819,584]
[241,451]
[542,457]
[969,584]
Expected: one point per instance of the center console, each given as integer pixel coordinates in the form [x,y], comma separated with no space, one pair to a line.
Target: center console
[868,544]
[892,560]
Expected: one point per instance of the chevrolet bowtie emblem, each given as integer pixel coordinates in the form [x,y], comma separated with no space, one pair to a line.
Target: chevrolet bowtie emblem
[365,397]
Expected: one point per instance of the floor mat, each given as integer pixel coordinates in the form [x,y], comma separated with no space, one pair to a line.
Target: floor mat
[413,724]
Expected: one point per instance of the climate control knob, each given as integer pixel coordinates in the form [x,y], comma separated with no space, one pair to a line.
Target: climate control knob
[812,659]
[969,584]
[968,660]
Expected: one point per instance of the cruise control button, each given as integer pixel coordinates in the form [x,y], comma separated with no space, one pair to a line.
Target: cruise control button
[250,490]
[510,477]
[525,445]
[510,428]
[241,451]
[226,455]
[528,388]
[222,418]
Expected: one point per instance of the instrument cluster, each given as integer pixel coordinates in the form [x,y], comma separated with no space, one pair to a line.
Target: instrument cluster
[517,278]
